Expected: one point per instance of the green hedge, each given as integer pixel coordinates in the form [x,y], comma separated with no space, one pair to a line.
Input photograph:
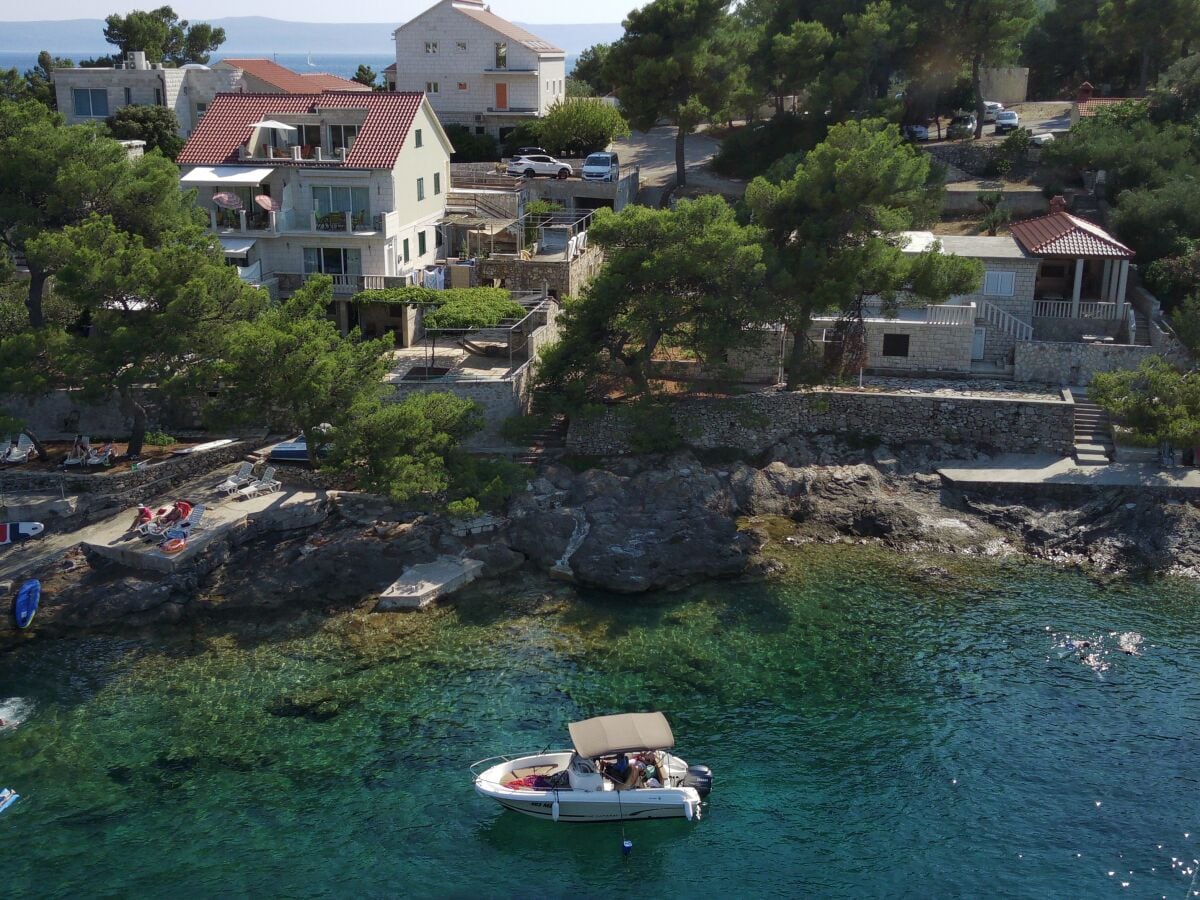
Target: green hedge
[478,307]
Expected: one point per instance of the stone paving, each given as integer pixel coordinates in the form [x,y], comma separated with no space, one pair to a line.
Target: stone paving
[1049,469]
[952,387]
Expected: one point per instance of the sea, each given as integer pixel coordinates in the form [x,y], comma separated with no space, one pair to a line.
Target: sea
[344,64]
[879,726]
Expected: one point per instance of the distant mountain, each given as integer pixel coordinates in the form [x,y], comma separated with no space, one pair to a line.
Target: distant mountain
[256,34]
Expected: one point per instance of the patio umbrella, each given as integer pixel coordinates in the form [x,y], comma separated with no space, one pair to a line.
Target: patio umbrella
[270,204]
[275,125]
[227,200]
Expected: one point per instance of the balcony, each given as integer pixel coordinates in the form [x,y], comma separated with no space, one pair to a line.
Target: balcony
[292,221]
[294,153]
[514,110]
[1088,309]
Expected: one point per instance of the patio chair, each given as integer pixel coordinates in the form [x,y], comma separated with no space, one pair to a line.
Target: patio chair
[194,521]
[101,457]
[265,485]
[21,452]
[84,445]
[239,479]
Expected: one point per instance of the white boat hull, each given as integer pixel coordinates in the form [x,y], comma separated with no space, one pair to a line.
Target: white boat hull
[568,805]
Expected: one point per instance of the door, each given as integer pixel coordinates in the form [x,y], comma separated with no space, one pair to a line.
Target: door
[501,95]
[977,344]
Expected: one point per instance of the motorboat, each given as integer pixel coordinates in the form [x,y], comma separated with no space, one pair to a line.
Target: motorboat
[585,784]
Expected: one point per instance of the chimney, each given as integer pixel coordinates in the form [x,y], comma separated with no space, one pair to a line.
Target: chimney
[1058,204]
[1084,92]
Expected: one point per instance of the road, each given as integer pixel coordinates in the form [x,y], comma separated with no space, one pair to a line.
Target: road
[654,152]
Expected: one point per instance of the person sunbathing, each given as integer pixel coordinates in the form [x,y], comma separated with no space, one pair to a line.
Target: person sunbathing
[179,511]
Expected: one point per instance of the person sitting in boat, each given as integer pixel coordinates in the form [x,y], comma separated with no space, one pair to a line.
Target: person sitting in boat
[623,773]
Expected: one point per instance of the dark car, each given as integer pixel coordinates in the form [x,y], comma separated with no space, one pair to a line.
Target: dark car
[961,126]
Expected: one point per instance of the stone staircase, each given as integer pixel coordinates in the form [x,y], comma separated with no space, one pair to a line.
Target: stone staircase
[1141,328]
[1093,433]
[551,441]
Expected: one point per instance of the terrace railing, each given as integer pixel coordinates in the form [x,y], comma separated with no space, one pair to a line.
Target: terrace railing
[1088,309]
[947,314]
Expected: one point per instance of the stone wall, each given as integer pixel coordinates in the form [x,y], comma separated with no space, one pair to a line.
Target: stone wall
[755,422]
[1023,201]
[931,348]
[498,399]
[60,415]
[1055,329]
[1071,363]
[561,278]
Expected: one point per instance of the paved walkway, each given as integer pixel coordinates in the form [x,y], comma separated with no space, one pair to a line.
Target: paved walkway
[654,152]
[1048,469]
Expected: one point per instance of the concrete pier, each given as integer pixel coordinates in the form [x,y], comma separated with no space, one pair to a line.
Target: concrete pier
[421,584]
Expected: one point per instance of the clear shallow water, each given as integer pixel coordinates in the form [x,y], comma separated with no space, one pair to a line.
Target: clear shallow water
[873,733]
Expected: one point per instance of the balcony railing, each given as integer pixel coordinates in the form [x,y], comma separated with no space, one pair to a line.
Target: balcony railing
[514,110]
[225,221]
[295,153]
[1088,309]
[946,314]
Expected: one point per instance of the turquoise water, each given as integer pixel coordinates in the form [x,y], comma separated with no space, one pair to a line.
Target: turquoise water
[874,732]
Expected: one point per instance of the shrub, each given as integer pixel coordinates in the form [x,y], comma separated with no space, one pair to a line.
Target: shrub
[466,508]
[1175,277]
[577,126]
[1016,144]
[159,439]
[156,125]
[750,151]
[473,308]
[521,430]
[470,147]
[651,428]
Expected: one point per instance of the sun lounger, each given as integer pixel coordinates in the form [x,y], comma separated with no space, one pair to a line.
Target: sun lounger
[21,453]
[101,457]
[85,447]
[239,479]
[192,523]
[264,485]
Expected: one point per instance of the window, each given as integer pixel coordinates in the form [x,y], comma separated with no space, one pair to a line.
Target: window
[420,188]
[432,87]
[462,86]
[406,256]
[200,110]
[460,46]
[128,96]
[418,137]
[895,345]
[999,284]
[1054,270]
[309,135]
[421,242]
[91,104]
[329,201]
[437,237]
[437,183]
[332,261]
[479,129]
[342,136]
[158,101]
[501,55]
[431,46]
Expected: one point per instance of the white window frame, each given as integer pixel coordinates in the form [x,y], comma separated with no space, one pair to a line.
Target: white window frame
[420,189]
[437,183]
[431,47]
[417,138]
[460,46]
[999,283]
[432,87]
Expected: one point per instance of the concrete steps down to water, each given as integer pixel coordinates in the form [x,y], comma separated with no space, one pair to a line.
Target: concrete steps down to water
[1093,434]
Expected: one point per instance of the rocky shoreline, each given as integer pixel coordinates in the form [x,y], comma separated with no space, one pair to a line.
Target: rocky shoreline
[635,525]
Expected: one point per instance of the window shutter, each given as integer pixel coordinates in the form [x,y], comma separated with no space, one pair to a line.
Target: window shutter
[999,284]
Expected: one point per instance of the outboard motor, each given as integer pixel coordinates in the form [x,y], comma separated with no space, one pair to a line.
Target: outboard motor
[700,778]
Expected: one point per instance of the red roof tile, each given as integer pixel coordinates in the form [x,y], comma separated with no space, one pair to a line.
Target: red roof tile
[294,82]
[230,117]
[1088,108]
[1062,234]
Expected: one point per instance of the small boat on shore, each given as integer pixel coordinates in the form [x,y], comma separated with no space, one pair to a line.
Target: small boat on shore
[618,770]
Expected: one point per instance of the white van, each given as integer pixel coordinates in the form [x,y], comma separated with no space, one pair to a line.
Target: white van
[603,166]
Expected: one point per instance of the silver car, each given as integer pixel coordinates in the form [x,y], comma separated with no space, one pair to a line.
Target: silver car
[535,164]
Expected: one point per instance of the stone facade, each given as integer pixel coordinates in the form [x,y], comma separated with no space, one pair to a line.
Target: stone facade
[1007,85]
[1052,362]
[929,348]
[559,277]
[1052,329]
[755,422]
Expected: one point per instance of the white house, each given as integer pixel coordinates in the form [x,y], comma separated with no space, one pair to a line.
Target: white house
[350,184]
[478,69]
[92,95]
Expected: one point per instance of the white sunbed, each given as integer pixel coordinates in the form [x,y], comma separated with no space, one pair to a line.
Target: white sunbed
[239,479]
[264,485]
[86,444]
[101,457]
[23,452]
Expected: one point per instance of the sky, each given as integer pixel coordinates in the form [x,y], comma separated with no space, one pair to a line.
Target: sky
[534,11]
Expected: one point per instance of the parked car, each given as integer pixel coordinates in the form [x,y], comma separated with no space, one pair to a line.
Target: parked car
[961,126]
[603,166]
[1007,120]
[991,109]
[530,151]
[915,132]
[539,164]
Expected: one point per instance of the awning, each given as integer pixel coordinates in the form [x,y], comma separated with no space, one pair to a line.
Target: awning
[621,734]
[274,125]
[236,246]
[225,175]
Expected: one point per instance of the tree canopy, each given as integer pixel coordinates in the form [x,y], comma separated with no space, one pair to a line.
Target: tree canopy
[366,75]
[579,126]
[1156,401]
[590,69]
[156,125]
[163,36]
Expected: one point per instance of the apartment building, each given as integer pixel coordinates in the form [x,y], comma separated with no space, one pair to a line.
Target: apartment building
[477,69]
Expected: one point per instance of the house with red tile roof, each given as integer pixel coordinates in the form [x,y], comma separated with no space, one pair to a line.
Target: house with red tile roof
[351,184]
[1087,104]
[479,69]
[265,76]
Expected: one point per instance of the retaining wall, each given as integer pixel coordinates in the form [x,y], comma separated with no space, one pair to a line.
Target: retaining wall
[755,422]
[1052,362]
[1047,328]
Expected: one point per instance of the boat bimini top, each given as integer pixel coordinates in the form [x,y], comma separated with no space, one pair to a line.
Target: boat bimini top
[623,733]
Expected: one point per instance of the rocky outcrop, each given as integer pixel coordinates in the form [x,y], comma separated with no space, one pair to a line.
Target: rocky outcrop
[662,526]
